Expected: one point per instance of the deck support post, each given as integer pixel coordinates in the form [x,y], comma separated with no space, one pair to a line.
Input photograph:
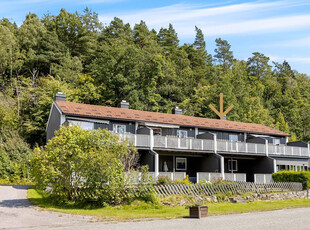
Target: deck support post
[156,157]
[221,157]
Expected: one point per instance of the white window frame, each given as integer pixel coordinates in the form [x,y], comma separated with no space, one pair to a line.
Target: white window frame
[229,166]
[233,135]
[85,125]
[181,159]
[116,128]
[180,135]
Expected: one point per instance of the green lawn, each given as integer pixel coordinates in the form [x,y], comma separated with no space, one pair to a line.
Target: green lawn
[148,211]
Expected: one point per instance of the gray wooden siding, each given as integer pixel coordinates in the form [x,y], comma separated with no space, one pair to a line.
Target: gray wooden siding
[225,136]
[144,130]
[298,144]
[101,126]
[173,131]
[282,140]
[54,123]
[130,126]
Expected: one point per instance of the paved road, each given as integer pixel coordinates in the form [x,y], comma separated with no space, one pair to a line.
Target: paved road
[17,213]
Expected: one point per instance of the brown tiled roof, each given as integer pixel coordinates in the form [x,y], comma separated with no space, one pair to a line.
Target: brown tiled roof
[98,111]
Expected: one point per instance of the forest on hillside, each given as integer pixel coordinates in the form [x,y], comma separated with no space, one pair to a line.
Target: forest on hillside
[103,64]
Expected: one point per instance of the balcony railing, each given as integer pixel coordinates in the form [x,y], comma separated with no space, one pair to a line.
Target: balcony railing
[241,147]
[171,142]
[287,150]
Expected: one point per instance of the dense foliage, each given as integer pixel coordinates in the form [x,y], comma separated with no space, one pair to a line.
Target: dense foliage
[81,165]
[91,63]
[14,157]
[290,176]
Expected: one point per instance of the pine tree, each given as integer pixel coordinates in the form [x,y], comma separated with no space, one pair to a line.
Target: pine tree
[223,54]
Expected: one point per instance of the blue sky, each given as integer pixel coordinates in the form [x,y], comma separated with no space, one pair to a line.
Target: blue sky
[279,29]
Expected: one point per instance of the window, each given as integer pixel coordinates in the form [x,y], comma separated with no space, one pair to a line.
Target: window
[233,137]
[84,124]
[180,163]
[119,128]
[276,141]
[182,133]
[232,165]
[157,131]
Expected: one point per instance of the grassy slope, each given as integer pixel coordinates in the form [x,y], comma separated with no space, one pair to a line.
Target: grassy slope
[148,211]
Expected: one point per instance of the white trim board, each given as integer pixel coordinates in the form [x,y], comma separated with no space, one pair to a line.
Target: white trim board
[152,124]
[89,120]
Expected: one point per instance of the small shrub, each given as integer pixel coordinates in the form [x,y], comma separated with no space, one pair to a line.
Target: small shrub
[204,182]
[229,194]
[220,196]
[221,181]
[290,176]
[163,180]
[183,181]
[218,181]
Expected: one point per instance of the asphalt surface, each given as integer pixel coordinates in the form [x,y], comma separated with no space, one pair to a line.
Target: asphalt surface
[16,212]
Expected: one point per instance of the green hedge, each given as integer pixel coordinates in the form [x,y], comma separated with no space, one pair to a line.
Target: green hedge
[289,176]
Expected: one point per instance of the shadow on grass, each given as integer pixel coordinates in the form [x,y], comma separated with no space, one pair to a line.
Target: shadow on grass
[47,202]
[121,212]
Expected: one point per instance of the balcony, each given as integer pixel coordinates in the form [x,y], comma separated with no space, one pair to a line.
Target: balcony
[170,142]
[192,144]
[288,150]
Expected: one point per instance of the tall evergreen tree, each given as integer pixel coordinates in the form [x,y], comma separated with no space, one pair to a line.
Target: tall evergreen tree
[168,39]
[223,54]
[258,65]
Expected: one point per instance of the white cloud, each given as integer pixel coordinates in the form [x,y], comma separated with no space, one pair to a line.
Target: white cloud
[301,42]
[184,12]
[245,18]
[303,60]
[276,24]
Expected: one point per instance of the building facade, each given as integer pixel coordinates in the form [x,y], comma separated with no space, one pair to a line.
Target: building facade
[175,145]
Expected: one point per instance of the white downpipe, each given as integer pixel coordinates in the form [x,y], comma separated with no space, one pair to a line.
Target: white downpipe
[151,139]
[196,132]
[156,164]
[222,168]
[266,146]
[215,142]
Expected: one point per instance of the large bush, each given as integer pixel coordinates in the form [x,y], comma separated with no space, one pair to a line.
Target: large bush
[83,165]
[290,176]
